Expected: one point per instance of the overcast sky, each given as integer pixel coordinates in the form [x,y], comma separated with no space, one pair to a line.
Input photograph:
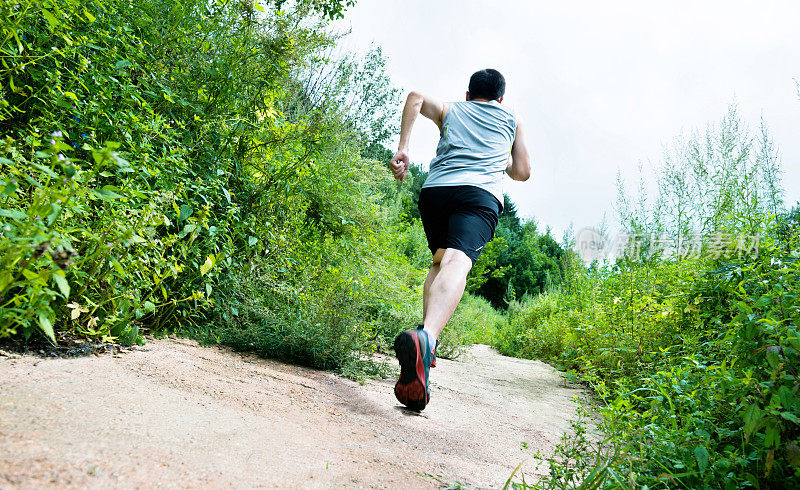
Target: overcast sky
[601,86]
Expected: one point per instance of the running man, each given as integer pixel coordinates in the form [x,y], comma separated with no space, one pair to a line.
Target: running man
[459,203]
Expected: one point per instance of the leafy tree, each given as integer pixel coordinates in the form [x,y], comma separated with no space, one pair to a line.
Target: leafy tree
[166,167]
[333,9]
[508,216]
[530,265]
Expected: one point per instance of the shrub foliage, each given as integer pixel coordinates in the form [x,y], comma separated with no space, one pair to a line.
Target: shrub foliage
[693,360]
[209,168]
[160,159]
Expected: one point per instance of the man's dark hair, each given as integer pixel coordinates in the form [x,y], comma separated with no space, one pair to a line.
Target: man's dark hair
[487,84]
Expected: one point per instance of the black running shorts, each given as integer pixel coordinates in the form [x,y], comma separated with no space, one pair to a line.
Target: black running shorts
[462,217]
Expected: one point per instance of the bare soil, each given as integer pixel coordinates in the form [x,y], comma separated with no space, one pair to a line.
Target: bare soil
[174,414]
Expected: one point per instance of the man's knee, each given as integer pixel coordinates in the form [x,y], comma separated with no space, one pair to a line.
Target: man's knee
[452,257]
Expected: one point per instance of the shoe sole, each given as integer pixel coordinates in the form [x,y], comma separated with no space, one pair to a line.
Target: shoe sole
[410,388]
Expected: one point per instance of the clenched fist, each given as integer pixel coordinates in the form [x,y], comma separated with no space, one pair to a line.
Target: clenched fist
[399,164]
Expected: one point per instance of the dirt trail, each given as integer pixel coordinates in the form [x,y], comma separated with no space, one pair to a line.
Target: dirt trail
[177,415]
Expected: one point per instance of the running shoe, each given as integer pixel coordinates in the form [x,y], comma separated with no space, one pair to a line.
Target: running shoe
[433,361]
[413,352]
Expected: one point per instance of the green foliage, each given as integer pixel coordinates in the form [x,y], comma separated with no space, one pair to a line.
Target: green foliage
[725,180]
[108,218]
[61,224]
[697,371]
[330,318]
[694,362]
[518,261]
[536,327]
[475,321]
[333,9]
[173,167]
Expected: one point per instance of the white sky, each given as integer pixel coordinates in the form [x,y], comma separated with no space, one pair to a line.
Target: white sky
[600,85]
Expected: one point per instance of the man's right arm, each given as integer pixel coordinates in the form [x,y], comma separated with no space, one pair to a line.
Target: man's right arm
[416,103]
[519,168]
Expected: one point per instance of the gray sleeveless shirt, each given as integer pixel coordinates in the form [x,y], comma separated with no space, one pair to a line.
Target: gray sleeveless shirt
[474,147]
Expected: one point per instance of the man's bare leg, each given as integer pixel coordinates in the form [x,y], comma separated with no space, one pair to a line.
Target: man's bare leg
[443,289]
[432,273]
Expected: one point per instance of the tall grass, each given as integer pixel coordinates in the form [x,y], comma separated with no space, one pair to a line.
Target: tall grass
[693,361]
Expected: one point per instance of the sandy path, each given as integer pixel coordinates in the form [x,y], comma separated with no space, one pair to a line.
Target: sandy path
[174,414]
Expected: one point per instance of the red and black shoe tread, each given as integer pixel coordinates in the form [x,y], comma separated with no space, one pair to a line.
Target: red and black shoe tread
[410,388]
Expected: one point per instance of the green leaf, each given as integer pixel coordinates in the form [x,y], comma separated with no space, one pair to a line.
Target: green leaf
[62,283]
[106,195]
[72,96]
[189,228]
[752,417]
[508,482]
[30,275]
[46,326]
[772,436]
[118,267]
[701,455]
[10,188]
[251,240]
[790,417]
[51,19]
[773,356]
[55,210]
[185,212]
[19,48]
[786,397]
[209,263]
[46,170]
[89,16]
[13,214]
[123,63]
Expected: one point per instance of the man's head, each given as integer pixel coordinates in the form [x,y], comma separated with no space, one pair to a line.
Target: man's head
[487,84]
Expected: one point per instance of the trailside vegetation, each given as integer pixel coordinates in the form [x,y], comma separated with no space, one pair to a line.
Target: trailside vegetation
[213,169]
[692,355]
[176,167]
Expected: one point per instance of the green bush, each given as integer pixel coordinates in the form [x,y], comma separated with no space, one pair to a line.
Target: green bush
[533,328]
[331,315]
[99,238]
[697,371]
[693,360]
[315,321]
[475,321]
[198,168]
